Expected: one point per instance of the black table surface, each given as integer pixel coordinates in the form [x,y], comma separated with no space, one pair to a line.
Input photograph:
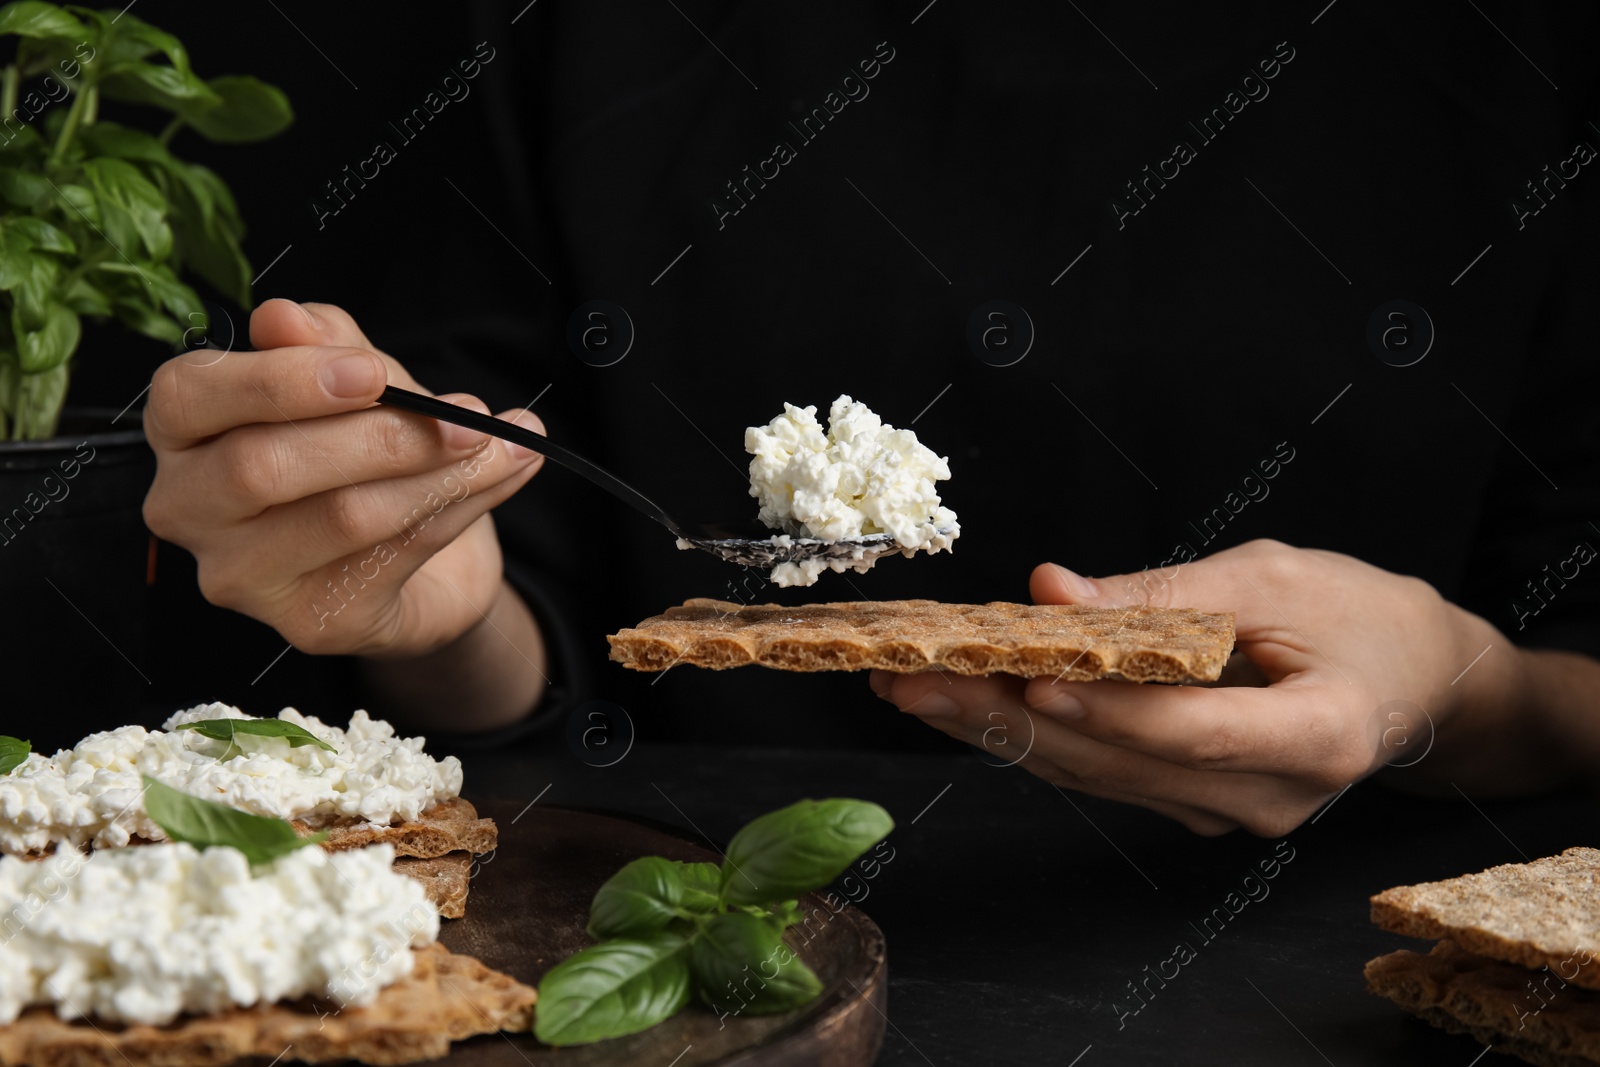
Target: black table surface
[1017,915]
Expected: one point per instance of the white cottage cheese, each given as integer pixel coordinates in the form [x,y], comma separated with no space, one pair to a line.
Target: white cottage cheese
[145,934]
[89,794]
[859,478]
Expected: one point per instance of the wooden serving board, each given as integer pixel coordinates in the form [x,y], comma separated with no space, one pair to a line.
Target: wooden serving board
[527,911]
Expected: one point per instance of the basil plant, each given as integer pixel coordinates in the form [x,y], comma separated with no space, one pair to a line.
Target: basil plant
[101,219]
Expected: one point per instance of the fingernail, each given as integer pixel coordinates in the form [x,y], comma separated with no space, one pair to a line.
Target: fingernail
[935,706]
[349,376]
[528,421]
[1077,583]
[1061,705]
[316,323]
[880,681]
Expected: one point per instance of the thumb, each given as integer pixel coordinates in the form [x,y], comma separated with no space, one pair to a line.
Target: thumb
[1051,583]
[1239,579]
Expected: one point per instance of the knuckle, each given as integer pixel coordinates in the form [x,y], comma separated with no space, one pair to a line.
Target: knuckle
[1338,756]
[1276,564]
[164,512]
[157,513]
[332,315]
[1208,825]
[1266,546]
[1421,591]
[314,640]
[221,584]
[398,440]
[350,519]
[1272,820]
[251,467]
[1217,748]
[1349,764]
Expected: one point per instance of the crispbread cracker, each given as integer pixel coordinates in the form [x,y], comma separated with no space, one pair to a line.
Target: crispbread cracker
[446,997]
[1071,641]
[1494,1002]
[449,826]
[446,879]
[1544,913]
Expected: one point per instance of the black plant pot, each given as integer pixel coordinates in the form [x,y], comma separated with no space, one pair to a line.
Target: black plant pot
[75,568]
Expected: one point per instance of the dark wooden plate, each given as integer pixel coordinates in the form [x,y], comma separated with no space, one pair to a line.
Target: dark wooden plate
[527,911]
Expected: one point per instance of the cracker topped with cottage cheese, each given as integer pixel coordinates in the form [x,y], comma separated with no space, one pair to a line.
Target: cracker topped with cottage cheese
[90,794]
[143,935]
[858,478]
[174,955]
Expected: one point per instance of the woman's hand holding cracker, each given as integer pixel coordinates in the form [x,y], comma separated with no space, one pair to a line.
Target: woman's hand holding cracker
[1340,667]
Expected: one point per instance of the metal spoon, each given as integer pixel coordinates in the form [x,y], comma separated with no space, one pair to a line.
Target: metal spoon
[745,542]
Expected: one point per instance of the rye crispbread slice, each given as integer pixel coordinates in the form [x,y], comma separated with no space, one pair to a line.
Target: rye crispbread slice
[446,879]
[449,826]
[1526,1013]
[446,997]
[1544,913]
[909,636]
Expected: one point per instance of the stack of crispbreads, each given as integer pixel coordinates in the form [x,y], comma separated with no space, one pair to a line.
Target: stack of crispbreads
[1515,964]
[436,849]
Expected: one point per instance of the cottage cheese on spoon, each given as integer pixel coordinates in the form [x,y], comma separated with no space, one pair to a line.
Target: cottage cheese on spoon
[859,478]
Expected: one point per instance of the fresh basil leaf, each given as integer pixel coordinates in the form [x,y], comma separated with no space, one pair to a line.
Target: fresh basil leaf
[12,752]
[110,139]
[33,18]
[251,110]
[122,188]
[799,848]
[225,729]
[207,824]
[27,144]
[206,224]
[614,988]
[641,898]
[742,965]
[213,191]
[785,914]
[23,188]
[43,235]
[49,346]
[17,258]
[86,298]
[80,201]
[133,310]
[32,291]
[702,886]
[128,37]
[157,86]
[176,297]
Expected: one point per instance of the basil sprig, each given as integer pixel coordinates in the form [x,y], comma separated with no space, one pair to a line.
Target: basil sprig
[225,729]
[207,824]
[669,931]
[12,753]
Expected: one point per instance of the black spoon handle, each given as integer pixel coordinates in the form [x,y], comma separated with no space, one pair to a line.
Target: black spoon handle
[510,431]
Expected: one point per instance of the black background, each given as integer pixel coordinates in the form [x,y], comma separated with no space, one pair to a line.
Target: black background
[1173,357]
